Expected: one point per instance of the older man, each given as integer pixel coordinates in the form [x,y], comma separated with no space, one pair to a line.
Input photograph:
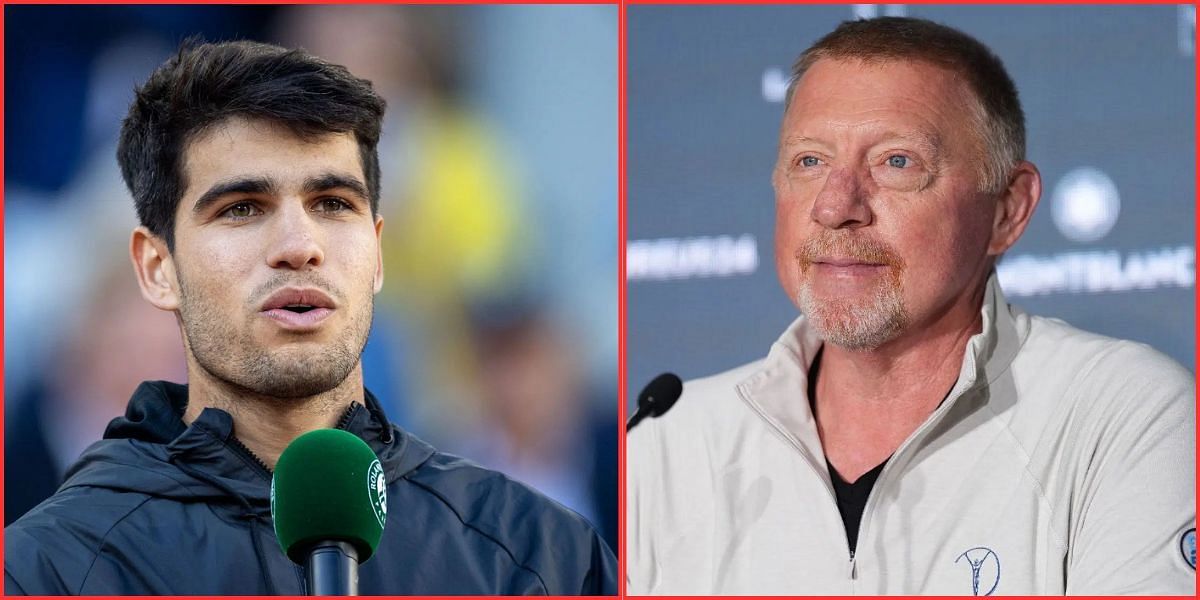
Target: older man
[913,433]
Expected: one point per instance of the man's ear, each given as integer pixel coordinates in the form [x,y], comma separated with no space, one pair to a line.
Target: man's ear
[379,253]
[155,269]
[1015,207]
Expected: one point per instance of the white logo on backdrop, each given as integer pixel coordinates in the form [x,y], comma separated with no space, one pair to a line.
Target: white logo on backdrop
[870,11]
[1097,271]
[775,84]
[1085,205]
[1187,30]
[775,79]
[691,258]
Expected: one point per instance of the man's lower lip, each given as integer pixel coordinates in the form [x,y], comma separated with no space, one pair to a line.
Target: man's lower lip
[297,320]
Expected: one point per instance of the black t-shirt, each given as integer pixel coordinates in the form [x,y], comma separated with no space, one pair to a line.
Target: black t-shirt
[851,497]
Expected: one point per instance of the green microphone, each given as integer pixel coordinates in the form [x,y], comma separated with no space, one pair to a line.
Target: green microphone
[329,503]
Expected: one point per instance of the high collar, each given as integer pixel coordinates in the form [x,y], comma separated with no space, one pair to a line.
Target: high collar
[153,437]
[778,391]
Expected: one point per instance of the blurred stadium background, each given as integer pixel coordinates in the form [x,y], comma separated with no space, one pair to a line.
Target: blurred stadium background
[1109,97]
[495,336]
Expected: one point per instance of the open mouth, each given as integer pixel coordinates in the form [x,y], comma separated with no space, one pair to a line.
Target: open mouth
[298,309]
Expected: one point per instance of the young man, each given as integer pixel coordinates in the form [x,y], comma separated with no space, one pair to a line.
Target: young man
[256,178]
[913,433]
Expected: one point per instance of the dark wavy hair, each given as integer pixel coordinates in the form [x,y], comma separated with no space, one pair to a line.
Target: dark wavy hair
[205,84]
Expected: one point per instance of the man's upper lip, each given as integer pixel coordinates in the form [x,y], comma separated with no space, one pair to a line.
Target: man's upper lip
[846,262]
[298,296]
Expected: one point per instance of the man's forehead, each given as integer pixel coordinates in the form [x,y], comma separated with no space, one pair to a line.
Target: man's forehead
[843,77]
[239,147]
[911,100]
[237,130]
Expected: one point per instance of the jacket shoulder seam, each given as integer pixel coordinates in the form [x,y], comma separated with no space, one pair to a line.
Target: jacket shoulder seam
[9,578]
[104,540]
[1060,539]
[454,511]
[1072,390]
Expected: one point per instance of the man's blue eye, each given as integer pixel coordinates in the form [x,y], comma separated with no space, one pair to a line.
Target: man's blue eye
[809,161]
[898,161]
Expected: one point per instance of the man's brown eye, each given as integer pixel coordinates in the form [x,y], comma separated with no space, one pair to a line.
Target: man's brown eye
[332,205]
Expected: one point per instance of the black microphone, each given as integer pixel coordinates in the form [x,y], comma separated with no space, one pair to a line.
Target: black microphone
[657,398]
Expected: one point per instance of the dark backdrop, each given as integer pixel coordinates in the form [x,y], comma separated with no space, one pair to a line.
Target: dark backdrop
[1109,96]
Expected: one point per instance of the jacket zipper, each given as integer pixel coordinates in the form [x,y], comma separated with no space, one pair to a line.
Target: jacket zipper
[344,421]
[934,419]
[263,469]
[239,448]
[852,570]
[824,478]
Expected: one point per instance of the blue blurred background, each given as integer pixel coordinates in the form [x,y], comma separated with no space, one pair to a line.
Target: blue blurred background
[1109,98]
[495,336]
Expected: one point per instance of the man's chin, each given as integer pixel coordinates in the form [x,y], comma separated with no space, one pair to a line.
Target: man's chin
[293,389]
[290,383]
[296,371]
[854,324]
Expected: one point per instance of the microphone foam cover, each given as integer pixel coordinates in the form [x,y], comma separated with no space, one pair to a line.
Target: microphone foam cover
[661,393]
[328,486]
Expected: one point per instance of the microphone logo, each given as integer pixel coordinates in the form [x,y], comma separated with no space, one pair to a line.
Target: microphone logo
[377,491]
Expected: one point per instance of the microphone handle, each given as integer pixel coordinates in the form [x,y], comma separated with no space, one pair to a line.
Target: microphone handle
[636,418]
[333,569]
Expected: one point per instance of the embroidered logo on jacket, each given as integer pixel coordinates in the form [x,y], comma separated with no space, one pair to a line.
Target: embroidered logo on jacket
[985,569]
[1187,546]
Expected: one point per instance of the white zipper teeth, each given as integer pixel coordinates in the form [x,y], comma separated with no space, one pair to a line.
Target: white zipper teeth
[795,443]
[934,419]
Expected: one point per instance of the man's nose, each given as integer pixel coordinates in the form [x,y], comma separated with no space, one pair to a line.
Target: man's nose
[297,239]
[842,201]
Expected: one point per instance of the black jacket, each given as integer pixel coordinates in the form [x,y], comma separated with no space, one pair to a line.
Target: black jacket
[160,507]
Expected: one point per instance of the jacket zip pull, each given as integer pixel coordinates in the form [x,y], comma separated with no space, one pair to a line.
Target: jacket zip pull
[853,571]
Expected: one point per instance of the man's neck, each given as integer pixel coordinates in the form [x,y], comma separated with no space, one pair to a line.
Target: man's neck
[868,402]
[266,425]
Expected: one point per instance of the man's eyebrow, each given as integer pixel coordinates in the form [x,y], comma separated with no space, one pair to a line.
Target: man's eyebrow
[331,180]
[930,143]
[239,185]
[796,140]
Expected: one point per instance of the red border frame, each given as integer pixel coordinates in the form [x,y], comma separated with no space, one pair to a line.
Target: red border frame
[622,396]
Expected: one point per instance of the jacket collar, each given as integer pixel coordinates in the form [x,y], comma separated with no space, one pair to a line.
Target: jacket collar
[779,390]
[153,427]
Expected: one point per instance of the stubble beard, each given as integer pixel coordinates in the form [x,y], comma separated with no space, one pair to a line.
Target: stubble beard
[863,322]
[235,358]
